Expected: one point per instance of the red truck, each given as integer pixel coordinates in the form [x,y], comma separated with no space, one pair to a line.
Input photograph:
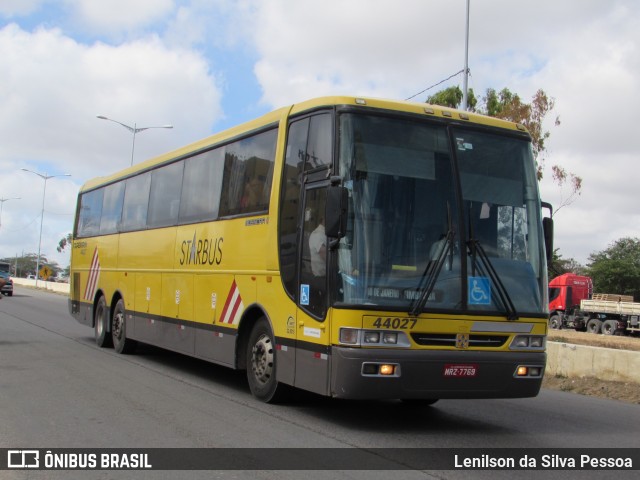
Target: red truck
[572,304]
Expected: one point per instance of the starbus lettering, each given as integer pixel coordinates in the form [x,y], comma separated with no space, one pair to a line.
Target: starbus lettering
[201,251]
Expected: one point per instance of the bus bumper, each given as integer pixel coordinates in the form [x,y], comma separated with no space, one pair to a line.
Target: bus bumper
[429,374]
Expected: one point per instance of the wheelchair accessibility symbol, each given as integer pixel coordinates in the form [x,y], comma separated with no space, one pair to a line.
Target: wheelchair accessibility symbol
[304,294]
[479,291]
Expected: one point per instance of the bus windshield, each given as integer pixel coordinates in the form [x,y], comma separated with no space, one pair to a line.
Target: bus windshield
[438,219]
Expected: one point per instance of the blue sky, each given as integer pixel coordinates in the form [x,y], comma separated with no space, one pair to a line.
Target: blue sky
[205,65]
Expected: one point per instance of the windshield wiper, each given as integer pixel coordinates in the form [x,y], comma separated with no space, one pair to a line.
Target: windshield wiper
[432,271]
[476,250]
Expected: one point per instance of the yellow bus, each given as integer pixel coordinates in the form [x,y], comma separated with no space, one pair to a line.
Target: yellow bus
[352,247]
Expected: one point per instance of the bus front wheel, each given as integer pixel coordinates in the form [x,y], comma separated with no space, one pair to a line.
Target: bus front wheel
[101,320]
[261,364]
[121,343]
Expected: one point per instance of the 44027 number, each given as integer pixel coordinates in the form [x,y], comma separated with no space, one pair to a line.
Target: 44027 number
[395,323]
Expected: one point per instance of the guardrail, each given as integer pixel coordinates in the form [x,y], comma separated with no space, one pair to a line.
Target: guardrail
[53,286]
[570,360]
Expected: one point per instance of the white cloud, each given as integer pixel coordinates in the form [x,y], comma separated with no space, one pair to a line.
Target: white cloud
[12,8]
[116,15]
[591,71]
[587,58]
[380,48]
[211,23]
[53,87]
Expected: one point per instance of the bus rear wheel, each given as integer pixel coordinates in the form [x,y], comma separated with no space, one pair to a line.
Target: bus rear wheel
[121,343]
[101,321]
[261,364]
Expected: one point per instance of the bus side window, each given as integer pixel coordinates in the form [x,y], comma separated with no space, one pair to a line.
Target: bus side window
[318,151]
[166,185]
[111,208]
[202,185]
[314,268]
[248,171]
[290,203]
[136,202]
[309,149]
[90,213]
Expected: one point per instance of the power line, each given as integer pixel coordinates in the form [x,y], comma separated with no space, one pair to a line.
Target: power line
[436,84]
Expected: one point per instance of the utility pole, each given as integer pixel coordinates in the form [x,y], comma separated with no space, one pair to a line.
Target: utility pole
[465,82]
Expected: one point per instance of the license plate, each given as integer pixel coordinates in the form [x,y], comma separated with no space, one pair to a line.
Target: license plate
[458,371]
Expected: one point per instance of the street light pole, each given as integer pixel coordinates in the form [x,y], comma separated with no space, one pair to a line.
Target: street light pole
[465,80]
[45,177]
[133,130]
[2,200]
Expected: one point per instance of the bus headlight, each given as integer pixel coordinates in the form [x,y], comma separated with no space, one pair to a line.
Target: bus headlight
[536,342]
[390,338]
[371,337]
[521,341]
[349,336]
[528,342]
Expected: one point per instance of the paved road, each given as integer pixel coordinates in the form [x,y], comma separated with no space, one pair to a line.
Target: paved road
[58,389]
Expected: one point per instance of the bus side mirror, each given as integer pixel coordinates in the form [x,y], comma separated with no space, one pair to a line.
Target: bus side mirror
[547,229]
[336,212]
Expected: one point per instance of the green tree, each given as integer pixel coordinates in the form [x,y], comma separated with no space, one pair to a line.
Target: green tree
[452,97]
[26,264]
[62,244]
[559,265]
[617,269]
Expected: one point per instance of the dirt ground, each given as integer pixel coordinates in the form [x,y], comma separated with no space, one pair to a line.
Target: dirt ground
[625,392]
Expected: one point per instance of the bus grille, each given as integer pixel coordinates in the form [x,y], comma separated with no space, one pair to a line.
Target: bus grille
[449,340]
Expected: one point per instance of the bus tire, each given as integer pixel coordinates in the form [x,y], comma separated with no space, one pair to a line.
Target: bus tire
[594,325]
[609,327]
[555,322]
[101,321]
[121,343]
[261,364]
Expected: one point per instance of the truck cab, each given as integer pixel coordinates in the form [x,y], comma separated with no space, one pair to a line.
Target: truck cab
[565,293]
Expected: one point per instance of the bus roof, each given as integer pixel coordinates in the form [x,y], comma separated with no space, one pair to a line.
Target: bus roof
[275,116]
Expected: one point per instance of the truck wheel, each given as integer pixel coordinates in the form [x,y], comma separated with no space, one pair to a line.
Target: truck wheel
[594,326]
[609,327]
[555,322]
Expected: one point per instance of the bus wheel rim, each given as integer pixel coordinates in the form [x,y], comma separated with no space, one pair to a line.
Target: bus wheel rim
[262,359]
[117,325]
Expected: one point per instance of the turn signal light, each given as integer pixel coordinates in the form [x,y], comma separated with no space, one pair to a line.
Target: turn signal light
[529,371]
[387,369]
[381,369]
